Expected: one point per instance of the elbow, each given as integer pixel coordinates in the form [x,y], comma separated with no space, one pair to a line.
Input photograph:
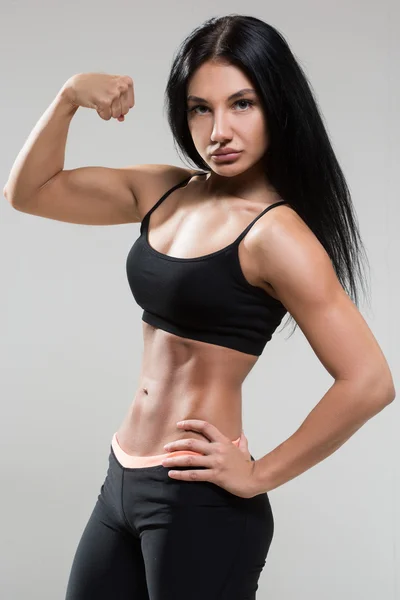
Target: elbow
[388,391]
[8,196]
[371,393]
[11,199]
[391,395]
[380,391]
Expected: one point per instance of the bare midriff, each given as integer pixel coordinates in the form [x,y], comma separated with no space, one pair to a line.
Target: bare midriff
[183,379]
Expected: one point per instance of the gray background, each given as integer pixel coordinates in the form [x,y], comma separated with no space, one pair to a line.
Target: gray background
[70,345]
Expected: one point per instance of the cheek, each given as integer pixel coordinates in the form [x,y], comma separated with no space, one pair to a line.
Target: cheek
[255,130]
[197,129]
[200,136]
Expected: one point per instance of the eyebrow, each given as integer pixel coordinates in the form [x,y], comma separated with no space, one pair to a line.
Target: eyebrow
[231,97]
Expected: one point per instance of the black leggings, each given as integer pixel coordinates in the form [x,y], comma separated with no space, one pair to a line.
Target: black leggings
[151,537]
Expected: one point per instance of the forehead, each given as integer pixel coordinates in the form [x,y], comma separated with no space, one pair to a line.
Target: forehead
[212,77]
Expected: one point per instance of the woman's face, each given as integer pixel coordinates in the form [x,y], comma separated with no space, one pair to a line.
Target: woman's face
[216,122]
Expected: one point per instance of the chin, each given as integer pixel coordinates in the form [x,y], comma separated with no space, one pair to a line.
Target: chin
[229,170]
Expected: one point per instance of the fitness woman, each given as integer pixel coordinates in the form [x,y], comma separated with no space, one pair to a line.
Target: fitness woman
[264,226]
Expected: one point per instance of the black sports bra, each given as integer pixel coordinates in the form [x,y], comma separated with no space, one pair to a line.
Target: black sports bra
[205,298]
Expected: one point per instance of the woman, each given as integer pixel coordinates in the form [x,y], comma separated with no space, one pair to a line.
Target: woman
[224,253]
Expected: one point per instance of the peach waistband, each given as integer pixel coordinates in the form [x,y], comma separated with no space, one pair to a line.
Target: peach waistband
[131,461]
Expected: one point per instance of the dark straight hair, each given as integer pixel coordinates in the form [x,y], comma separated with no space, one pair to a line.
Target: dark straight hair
[300,162]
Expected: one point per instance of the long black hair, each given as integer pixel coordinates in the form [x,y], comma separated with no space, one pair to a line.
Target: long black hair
[300,162]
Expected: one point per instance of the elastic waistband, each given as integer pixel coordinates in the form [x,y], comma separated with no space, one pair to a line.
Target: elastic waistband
[130,461]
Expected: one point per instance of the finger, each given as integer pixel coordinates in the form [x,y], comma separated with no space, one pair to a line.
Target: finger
[189,444]
[206,428]
[131,96]
[116,108]
[103,110]
[197,475]
[188,460]
[124,104]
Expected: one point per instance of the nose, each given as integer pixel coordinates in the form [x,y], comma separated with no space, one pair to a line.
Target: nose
[221,131]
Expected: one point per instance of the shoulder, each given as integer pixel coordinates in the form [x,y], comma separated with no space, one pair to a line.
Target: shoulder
[148,182]
[289,256]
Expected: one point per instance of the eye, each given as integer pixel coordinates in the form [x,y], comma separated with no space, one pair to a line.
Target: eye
[248,102]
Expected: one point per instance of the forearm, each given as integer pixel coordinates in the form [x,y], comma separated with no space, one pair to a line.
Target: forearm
[42,156]
[341,412]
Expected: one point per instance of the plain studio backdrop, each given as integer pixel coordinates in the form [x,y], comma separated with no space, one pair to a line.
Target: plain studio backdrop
[71,333]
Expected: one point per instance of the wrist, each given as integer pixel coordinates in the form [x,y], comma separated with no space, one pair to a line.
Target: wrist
[65,97]
[259,483]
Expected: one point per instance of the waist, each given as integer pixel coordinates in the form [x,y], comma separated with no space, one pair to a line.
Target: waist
[152,417]
[133,461]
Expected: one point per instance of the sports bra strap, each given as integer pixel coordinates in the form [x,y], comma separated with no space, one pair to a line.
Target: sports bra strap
[153,208]
[167,193]
[250,225]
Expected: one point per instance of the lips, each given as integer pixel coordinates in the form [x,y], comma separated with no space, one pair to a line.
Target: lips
[225,151]
[226,158]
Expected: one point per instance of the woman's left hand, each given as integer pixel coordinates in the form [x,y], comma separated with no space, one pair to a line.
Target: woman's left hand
[227,465]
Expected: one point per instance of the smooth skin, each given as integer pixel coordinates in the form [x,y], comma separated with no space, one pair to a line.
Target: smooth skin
[183,379]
